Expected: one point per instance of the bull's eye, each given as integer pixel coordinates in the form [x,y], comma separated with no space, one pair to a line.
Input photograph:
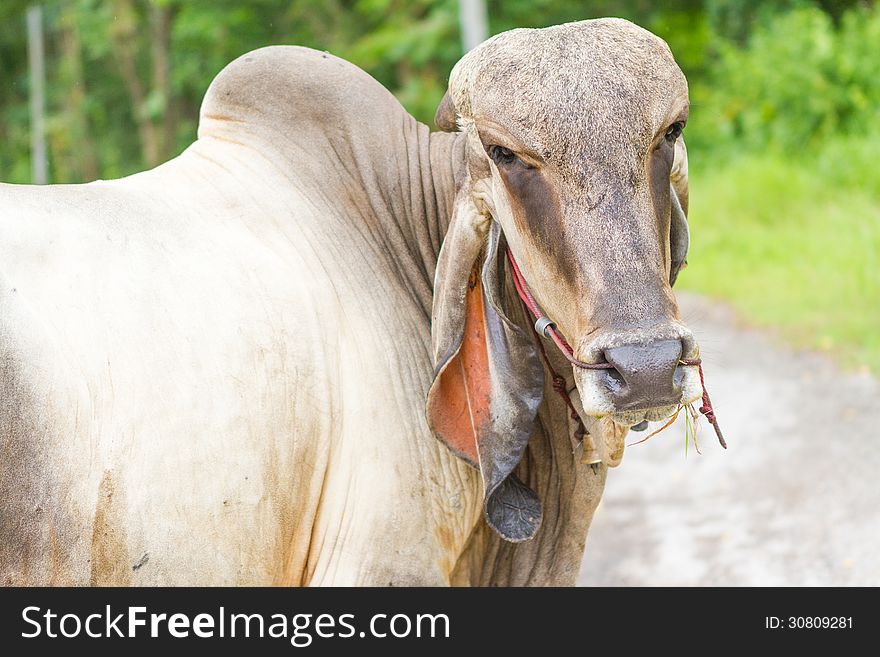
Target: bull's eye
[502,156]
[674,131]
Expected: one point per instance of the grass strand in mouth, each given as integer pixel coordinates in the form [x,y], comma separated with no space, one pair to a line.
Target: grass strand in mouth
[687,432]
[691,425]
[695,426]
[690,429]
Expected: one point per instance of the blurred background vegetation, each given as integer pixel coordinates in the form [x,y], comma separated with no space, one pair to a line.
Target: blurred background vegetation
[784,134]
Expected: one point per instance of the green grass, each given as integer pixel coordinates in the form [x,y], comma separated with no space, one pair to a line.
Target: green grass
[690,428]
[793,242]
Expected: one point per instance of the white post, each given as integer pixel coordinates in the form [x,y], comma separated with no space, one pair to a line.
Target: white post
[474,23]
[39,162]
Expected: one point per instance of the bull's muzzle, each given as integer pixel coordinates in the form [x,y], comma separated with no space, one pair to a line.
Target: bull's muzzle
[645,375]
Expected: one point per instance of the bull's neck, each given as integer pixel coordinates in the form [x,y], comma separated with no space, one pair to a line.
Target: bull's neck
[428,190]
[425,185]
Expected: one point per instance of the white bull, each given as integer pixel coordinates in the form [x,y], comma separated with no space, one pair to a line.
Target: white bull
[215,372]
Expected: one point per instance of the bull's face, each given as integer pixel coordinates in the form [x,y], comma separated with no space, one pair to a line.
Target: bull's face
[576,163]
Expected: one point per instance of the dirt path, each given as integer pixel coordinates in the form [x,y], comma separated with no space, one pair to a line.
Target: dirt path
[794,501]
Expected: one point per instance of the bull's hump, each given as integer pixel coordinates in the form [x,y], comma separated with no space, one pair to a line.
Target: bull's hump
[284,90]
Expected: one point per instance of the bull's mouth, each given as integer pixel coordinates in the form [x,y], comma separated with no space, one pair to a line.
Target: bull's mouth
[610,425]
[611,430]
[662,412]
[635,417]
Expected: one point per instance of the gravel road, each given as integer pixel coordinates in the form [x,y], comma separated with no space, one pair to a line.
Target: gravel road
[794,501]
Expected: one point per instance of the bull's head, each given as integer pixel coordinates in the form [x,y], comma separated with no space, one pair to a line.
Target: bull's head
[575,162]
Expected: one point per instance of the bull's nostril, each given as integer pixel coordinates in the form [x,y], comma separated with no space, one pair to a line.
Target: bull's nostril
[678,379]
[614,381]
[614,374]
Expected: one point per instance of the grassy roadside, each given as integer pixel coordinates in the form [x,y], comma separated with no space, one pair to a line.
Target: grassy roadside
[794,243]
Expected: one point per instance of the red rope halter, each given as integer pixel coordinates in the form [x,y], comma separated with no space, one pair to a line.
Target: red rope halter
[544,326]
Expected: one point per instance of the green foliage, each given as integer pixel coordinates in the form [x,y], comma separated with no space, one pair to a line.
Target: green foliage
[797,83]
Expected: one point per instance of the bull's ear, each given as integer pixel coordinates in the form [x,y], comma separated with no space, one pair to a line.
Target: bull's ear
[488,380]
[679,234]
[446,118]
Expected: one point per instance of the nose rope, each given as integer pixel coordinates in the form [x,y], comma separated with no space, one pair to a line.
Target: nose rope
[707,410]
[559,385]
[545,326]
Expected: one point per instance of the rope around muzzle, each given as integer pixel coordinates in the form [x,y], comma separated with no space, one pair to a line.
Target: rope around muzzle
[544,326]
